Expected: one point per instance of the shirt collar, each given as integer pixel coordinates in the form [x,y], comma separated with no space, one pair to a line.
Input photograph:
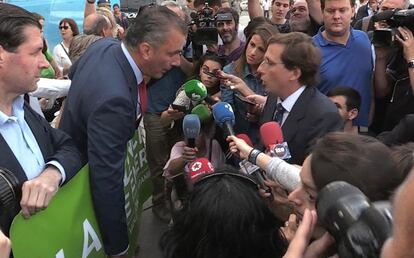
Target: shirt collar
[324,42]
[290,101]
[17,111]
[134,66]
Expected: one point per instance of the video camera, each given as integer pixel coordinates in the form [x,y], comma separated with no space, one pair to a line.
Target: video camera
[206,28]
[359,227]
[385,37]
[10,195]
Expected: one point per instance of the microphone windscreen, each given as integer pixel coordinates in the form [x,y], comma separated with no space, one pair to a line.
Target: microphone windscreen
[271,134]
[191,126]
[203,112]
[199,168]
[195,90]
[223,112]
[245,138]
[182,100]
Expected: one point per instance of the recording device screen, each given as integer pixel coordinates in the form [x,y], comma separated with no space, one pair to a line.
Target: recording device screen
[179,108]
[244,99]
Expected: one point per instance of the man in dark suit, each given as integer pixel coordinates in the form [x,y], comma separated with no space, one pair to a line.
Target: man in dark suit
[365,10]
[289,71]
[38,157]
[102,108]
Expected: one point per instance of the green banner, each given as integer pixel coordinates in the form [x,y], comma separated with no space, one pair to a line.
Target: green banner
[68,227]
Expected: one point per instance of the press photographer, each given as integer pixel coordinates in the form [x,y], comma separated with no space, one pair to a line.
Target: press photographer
[394,63]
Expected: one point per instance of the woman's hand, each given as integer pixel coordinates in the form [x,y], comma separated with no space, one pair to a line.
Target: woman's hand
[234,83]
[170,115]
[239,147]
[189,154]
[299,246]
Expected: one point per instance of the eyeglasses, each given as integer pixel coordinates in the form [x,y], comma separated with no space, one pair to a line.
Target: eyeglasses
[65,27]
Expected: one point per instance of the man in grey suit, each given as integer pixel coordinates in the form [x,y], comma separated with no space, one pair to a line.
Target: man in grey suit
[289,72]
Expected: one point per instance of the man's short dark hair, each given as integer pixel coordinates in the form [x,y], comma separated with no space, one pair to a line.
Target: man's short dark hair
[353,99]
[234,13]
[13,21]
[153,26]
[301,53]
[211,3]
[361,161]
[352,2]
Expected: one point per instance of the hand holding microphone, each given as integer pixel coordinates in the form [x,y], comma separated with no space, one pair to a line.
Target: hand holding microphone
[239,146]
[191,130]
[224,116]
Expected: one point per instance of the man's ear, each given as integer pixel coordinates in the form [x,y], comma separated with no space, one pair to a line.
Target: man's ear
[295,74]
[352,114]
[2,55]
[145,50]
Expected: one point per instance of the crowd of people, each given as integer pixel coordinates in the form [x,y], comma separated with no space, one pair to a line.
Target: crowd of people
[316,77]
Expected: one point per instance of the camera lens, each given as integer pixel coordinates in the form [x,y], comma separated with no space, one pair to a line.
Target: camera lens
[339,206]
[10,195]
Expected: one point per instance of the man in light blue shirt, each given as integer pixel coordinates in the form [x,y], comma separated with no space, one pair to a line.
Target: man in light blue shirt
[40,158]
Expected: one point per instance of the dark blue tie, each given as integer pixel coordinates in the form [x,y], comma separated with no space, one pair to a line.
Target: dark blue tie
[278,116]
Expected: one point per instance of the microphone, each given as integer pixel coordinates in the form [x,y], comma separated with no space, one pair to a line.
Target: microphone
[245,138]
[224,116]
[272,138]
[203,112]
[251,169]
[198,168]
[191,129]
[197,91]
[181,102]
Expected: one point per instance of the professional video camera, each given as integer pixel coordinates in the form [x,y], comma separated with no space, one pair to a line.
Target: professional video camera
[359,227]
[205,32]
[385,37]
[10,195]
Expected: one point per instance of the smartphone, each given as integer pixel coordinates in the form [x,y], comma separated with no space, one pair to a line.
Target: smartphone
[179,108]
[244,99]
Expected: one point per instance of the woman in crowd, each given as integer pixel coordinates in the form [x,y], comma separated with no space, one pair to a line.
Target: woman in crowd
[206,71]
[240,80]
[68,29]
[224,217]
[358,160]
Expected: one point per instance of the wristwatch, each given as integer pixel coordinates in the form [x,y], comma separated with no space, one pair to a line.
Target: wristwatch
[411,63]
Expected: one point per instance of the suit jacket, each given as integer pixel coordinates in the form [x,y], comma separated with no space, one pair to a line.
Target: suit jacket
[100,116]
[362,12]
[54,145]
[312,116]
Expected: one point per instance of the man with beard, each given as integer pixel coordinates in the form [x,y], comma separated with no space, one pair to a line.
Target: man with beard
[301,19]
[227,26]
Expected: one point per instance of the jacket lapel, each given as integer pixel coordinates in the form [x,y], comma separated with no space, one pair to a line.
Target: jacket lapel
[298,112]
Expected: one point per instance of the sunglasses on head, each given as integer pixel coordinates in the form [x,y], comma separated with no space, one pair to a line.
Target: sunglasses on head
[65,27]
